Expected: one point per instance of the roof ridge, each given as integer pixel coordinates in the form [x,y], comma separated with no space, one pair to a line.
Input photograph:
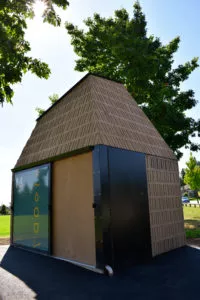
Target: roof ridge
[74,86]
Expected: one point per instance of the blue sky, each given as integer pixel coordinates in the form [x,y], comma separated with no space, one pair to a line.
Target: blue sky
[166,19]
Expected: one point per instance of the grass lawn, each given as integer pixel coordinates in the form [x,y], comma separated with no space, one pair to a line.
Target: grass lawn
[4,226]
[192,221]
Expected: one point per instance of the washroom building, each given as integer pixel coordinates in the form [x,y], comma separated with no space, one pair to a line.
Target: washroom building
[96,184]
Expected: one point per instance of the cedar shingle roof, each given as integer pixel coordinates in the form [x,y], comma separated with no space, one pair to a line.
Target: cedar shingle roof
[95,111]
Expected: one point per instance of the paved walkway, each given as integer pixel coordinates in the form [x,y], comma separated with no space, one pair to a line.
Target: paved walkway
[25,275]
[4,241]
[12,287]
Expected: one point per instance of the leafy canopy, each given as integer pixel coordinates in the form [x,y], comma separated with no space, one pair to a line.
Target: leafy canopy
[14,61]
[3,210]
[192,174]
[182,177]
[120,49]
[53,99]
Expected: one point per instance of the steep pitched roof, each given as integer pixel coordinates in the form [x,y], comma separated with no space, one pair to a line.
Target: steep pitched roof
[95,111]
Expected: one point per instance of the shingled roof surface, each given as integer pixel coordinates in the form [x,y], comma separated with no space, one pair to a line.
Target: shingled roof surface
[95,111]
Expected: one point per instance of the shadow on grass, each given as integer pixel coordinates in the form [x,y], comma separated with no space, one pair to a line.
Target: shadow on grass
[192,224]
[168,276]
[192,228]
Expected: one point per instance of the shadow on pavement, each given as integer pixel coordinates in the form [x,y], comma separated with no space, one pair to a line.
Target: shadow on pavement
[174,275]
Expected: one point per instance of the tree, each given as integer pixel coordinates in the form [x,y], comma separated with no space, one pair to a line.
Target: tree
[182,177]
[119,48]
[14,61]
[3,210]
[192,174]
[53,99]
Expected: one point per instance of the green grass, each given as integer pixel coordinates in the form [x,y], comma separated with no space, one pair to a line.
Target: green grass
[192,221]
[4,226]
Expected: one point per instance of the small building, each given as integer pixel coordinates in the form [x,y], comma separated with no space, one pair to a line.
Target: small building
[96,184]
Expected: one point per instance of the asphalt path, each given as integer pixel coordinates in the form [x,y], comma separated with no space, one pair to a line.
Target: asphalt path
[26,275]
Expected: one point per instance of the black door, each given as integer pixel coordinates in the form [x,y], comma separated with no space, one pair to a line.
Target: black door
[130,225]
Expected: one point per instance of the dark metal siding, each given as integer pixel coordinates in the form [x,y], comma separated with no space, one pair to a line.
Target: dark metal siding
[12,210]
[101,206]
[129,207]
[122,225]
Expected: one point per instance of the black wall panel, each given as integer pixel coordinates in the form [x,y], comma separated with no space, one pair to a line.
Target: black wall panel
[130,224]
[102,212]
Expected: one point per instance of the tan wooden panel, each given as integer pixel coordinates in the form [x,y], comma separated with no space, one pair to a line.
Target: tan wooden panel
[73,215]
[165,207]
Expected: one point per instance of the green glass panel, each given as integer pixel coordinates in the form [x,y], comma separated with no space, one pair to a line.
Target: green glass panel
[31,207]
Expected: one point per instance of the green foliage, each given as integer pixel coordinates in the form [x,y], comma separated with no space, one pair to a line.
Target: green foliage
[40,111]
[120,49]
[50,15]
[192,233]
[182,177]
[192,174]
[14,61]
[53,99]
[3,210]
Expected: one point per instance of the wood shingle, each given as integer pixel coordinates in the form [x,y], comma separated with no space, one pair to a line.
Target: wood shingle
[95,111]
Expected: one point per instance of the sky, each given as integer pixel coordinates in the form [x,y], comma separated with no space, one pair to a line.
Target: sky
[165,19]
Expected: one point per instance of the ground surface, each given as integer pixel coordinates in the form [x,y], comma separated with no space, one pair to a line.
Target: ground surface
[25,275]
[194,242]
[175,275]
[4,241]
